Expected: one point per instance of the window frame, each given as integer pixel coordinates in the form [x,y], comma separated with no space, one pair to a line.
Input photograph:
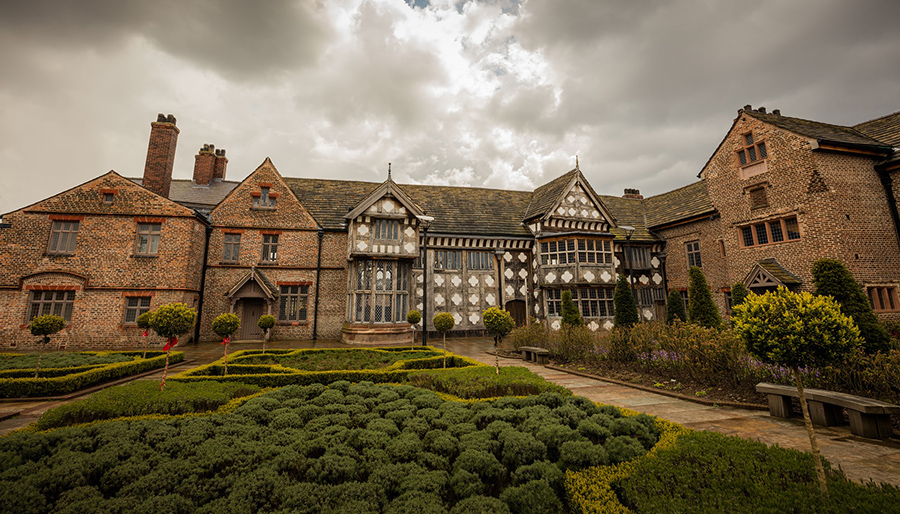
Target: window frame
[299,309]
[386,229]
[65,299]
[580,250]
[234,246]
[269,248]
[751,146]
[693,254]
[63,230]
[765,228]
[376,294]
[264,199]
[448,259]
[138,308]
[591,302]
[153,236]
[888,300]
[478,260]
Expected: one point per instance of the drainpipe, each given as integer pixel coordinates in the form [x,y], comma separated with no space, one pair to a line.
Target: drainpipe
[321,233]
[425,284]
[202,285]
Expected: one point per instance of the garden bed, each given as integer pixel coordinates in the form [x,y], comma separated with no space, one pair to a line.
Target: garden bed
[84,370]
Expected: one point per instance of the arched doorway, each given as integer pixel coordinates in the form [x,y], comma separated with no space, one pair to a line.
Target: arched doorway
[516,308]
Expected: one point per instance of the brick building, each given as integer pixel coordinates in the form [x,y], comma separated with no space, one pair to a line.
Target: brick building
[348,259]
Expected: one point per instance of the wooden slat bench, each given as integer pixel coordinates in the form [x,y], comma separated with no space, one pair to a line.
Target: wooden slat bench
[535,354]
[868,417]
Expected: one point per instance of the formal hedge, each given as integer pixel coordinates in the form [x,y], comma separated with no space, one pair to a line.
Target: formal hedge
[68,380]
[484,382]
[276,375]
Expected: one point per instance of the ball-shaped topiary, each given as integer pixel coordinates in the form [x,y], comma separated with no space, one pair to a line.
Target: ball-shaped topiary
[413,317]
[143,321]
[172,320]
[226,324]
[443,321]
[701,309]
[46,325]
[266,322]
[498,321]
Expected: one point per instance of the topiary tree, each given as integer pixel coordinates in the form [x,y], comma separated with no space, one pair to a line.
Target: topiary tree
[143,322]
[701,309]
[443,321]
[171,321]
[796,331]
[626,313]
[674,307]
[266,322]
[45,326]
[739,293]
[413,317]
[498,322]
[224,326]
[832,278]
[570,315]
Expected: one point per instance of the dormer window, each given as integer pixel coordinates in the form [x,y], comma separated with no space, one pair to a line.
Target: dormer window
[264,199]
[752,150]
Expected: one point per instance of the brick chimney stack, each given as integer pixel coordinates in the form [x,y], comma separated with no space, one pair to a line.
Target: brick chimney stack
[221,162]
[205,165]
[634,194]
[161,155]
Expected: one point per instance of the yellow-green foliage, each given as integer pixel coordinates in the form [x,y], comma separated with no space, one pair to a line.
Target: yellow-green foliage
[413,317]
[172,320]
[266,321]
[590,491]
[226,324]
[46,325]
[795,329]
[443,321]
[276,375]
[498,321]
[80,377]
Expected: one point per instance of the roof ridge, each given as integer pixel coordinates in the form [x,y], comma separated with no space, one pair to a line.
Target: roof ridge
[876,119]
[670,191]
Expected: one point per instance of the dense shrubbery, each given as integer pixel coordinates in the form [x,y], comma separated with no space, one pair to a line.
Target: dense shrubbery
[706,472]
[322,360]
[10,361]
[142,398]
[535,333]
[343,448]
[482,382]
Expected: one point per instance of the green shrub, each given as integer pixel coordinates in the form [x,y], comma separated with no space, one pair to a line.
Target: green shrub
[27,361]
[141,398]
[266,322]
[675,307]
[483,382]
[226,324]
[701,309]
[46,325]
[498,322]
[570,314]
[443,321]
[832,278]
[172,320]
[535,497]
[739,293]
[413,317]
[535,333]
[625,306]
[481,505]
[572,343]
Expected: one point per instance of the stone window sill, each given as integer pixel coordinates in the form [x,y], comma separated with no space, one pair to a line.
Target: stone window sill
[146,256]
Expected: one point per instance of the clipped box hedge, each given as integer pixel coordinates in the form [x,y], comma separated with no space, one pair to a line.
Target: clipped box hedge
[61,381]
[276,375]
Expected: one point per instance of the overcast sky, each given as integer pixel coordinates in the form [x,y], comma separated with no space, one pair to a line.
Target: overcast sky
[498,93]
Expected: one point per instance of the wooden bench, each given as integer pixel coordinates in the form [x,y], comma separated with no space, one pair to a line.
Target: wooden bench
[868,417]
[535,354]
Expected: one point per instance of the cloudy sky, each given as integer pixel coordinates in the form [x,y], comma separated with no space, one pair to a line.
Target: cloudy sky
[496,93]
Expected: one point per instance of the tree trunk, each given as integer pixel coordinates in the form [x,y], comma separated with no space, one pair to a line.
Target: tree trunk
[445,349]
[162,385]
[145,346]
[817,458]
[38,368]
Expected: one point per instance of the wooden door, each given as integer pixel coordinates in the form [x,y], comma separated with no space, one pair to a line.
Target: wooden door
[516,309]
[253,309]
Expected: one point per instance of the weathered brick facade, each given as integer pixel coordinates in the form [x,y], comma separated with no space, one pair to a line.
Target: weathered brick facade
[341,259]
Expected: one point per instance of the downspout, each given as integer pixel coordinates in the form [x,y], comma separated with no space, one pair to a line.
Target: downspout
[321,233]
[887,183]
[202,285]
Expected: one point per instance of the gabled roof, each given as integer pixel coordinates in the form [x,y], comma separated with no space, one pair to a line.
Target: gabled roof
[387,188]
[684,203]
[885,129]
[255,275]
[823,132]
[545,196]
[768,271]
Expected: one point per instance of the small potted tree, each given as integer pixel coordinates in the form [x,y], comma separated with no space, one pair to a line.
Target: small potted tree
[266,322]
[224,326]
[413,317]
[45,326]
[143,322]
[443,321]
[171,321]
[498,322]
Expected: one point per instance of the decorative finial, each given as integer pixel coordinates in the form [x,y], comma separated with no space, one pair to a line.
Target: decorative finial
[389,171]
[576,163]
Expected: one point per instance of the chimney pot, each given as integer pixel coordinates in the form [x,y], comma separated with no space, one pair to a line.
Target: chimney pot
[633,194]
[161,155]
[748,107]
[762,110]
[776,112]
[170,119]
[160,118]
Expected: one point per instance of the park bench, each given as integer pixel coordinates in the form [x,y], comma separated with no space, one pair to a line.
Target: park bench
[868,417]
[535,354]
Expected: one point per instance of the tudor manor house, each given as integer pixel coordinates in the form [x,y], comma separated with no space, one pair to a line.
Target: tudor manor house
[336,259]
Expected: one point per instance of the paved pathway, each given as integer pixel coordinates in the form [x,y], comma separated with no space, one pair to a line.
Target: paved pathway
[861,459]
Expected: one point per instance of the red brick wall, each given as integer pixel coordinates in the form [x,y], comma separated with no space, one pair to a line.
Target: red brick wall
[161,155]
